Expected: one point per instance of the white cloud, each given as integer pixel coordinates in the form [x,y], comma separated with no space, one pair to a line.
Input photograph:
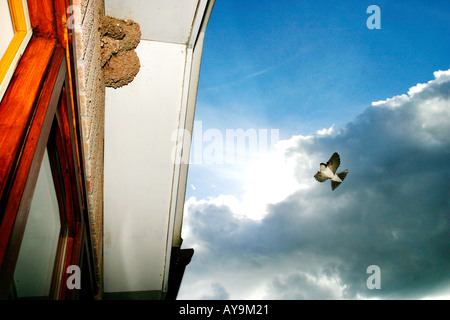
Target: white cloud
[285,236]
[266,178]
[325,131]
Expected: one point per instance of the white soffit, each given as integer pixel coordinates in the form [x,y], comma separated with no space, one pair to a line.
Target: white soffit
[160,20]
[140,119]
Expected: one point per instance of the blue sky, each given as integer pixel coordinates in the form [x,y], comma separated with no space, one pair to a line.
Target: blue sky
[301,67]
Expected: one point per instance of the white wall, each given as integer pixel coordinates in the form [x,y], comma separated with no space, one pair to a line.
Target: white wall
[139,121]
[160,20]
[143,186]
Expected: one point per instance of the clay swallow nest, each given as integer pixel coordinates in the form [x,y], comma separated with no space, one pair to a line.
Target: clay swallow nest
[119,60]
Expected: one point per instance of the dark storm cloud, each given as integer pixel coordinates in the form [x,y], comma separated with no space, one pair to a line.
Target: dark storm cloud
[219,293]
[392,210]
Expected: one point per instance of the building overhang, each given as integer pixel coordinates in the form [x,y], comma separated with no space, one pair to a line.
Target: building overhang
[147,124]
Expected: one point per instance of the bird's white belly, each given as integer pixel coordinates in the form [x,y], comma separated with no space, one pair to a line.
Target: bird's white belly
[329,174]
[336,178]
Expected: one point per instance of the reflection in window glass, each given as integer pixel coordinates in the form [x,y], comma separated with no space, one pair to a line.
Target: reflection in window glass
[35,264]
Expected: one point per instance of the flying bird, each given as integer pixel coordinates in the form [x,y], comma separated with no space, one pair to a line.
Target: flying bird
[328,171]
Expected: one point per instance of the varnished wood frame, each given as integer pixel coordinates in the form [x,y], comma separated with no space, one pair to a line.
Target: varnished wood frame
[51,120]
[27,112]
[22,34]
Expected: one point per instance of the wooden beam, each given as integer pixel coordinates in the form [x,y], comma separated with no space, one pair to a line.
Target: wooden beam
[42,18]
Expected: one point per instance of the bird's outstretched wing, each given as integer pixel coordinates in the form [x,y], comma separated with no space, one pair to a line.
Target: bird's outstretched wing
[341,175]
[334,184]
[334,162]
[320,176]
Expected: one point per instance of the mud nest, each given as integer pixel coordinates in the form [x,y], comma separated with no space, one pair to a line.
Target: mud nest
[119,60]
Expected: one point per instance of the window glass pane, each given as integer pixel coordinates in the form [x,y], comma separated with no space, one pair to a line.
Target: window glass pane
[35,264]
[6,27]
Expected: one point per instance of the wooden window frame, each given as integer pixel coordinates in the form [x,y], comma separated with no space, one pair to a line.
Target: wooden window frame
[39,110]
[22,35]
